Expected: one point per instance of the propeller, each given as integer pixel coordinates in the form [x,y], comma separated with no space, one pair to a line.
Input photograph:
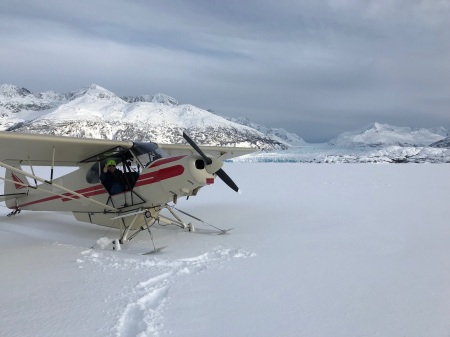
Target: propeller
[208,161]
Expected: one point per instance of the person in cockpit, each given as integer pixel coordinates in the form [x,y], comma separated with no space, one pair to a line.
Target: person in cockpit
[113,178]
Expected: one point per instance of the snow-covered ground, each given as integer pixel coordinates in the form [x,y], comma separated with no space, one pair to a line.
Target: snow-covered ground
[316,250]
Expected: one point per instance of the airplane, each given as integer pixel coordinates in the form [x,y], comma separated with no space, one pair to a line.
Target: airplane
[155,175]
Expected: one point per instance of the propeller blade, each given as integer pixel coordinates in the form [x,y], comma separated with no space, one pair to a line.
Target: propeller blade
[207,160]
[220,173]
[227,180]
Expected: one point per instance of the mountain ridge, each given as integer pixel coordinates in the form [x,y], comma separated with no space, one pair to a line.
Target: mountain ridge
[382,135]
[96,112]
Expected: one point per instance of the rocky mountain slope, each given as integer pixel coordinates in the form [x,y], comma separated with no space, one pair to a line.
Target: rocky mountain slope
[444,143]
[98,113]
[278,134]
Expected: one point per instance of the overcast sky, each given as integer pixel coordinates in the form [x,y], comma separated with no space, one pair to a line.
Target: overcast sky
[316,68]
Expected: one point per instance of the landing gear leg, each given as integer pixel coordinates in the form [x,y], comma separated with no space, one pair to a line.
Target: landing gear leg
[155,250]
[123,238]
[16,211]
[180,222]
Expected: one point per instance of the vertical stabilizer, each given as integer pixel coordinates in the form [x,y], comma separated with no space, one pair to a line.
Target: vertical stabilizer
[15,184]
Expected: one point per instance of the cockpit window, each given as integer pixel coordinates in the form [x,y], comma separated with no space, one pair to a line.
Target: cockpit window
[93,175]
[147,153]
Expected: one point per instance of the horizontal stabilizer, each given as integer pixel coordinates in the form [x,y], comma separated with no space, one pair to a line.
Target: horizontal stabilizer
[4,197]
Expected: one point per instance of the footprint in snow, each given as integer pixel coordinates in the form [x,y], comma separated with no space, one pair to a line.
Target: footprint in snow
[143,315]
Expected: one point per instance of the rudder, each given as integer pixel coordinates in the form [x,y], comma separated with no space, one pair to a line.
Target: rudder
[16,185]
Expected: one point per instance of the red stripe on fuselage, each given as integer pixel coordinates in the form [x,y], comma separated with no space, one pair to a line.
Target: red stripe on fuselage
[163,161]
[40,200]
[87,192]
[145,179]
[163,174]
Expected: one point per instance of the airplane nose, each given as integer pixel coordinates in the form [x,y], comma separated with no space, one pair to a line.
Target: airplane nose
[211,168]
[199,164]
[213,165]
[198,170]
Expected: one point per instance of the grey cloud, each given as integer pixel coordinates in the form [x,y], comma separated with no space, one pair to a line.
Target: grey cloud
[316,68]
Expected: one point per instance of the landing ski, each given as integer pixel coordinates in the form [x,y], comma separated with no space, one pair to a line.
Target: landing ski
[211,231]
[156,250]
[224,231]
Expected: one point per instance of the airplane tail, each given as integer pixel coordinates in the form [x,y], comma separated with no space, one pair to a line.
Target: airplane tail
[16,185]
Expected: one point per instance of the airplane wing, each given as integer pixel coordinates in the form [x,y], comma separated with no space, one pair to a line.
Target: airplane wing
[220,152]
[63,151]
[37,149]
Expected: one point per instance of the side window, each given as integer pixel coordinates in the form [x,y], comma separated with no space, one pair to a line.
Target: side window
[92,175]
[147,152]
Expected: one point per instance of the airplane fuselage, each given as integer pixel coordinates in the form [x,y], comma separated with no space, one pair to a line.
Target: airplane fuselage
[159,183]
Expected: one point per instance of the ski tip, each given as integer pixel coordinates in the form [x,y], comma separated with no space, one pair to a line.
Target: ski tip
[224,231]
[156,250]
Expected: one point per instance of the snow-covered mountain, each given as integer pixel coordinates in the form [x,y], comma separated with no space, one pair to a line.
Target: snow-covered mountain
[96,112]
[281,135]
[382,135]
[376,143]
[158,98]
[14,101]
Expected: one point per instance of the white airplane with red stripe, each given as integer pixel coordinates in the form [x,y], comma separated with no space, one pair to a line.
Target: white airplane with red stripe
[156,176]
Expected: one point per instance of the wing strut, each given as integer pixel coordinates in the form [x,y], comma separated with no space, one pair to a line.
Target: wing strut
[14,169]
[32,170]
[53,164]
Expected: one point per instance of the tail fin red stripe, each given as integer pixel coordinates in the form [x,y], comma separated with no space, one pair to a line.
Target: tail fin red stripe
[19,184]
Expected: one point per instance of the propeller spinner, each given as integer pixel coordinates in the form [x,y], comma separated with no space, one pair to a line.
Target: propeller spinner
[213,165]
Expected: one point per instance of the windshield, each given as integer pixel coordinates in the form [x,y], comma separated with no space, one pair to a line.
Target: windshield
[147,153]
